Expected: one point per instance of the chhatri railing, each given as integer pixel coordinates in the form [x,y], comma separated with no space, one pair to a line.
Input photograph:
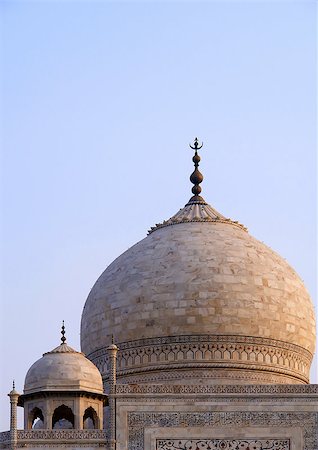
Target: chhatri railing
[37,437]
[4,436]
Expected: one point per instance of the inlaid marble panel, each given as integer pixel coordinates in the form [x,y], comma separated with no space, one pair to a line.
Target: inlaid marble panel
[223,444]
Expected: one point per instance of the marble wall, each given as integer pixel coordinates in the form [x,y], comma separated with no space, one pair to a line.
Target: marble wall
[258,417]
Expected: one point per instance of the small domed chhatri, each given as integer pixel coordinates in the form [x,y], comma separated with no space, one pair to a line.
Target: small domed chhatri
[63,389]
[63,368]
[201,300]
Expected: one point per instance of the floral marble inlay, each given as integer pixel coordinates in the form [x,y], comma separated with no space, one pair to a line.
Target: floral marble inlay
[223,444]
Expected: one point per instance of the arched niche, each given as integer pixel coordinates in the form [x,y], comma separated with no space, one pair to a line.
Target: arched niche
[90,419]
[36,418]
[63,418]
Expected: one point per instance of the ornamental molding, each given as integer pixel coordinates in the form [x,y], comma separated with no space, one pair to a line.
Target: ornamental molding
[198,211]
[70,444]
[139,421]
[238,401]
[223,444]
[171,222]
[207,352]
[202,338]
[247,376]
[48,438]
[24,398]
[284,391]
[61,434]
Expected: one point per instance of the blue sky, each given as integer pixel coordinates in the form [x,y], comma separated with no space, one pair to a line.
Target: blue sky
[99,103]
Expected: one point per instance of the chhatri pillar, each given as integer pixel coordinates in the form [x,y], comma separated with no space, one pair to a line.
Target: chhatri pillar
[112,353]
[14,396]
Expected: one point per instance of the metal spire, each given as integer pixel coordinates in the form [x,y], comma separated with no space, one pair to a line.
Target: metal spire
[196,177]
[13,392]
[63,338]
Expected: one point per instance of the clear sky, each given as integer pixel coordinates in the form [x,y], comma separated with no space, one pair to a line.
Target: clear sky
[99,102]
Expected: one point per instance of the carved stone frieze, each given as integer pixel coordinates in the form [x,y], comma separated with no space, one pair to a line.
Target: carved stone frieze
[57,438]
[275,361]
[223,444]
[306,421]
[61,434]
[207,374]
[306,390]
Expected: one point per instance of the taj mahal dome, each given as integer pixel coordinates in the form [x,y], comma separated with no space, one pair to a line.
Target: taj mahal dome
[198,337]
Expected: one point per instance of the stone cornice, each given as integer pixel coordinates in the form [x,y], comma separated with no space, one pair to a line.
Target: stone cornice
[70,393]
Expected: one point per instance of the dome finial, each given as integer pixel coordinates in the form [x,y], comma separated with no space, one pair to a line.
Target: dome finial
[63,338]
[13,392]
[196,146]
[196,177]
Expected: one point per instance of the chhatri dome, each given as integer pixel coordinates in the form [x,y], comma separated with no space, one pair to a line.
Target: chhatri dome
[63,389]
[200,300]
[63,369]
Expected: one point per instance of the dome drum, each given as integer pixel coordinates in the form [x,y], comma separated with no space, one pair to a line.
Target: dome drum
[208,357]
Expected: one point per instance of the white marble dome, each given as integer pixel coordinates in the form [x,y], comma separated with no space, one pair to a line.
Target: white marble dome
[200,300]
[63,369]
[201,280]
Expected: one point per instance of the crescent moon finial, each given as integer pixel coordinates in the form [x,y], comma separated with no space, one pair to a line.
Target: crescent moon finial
[196,145]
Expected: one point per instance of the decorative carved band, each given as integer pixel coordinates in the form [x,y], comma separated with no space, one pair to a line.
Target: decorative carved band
[208,351]
[36,436]
[5,436]
[223,444]
[306,390]
[62,434]
[248,374]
